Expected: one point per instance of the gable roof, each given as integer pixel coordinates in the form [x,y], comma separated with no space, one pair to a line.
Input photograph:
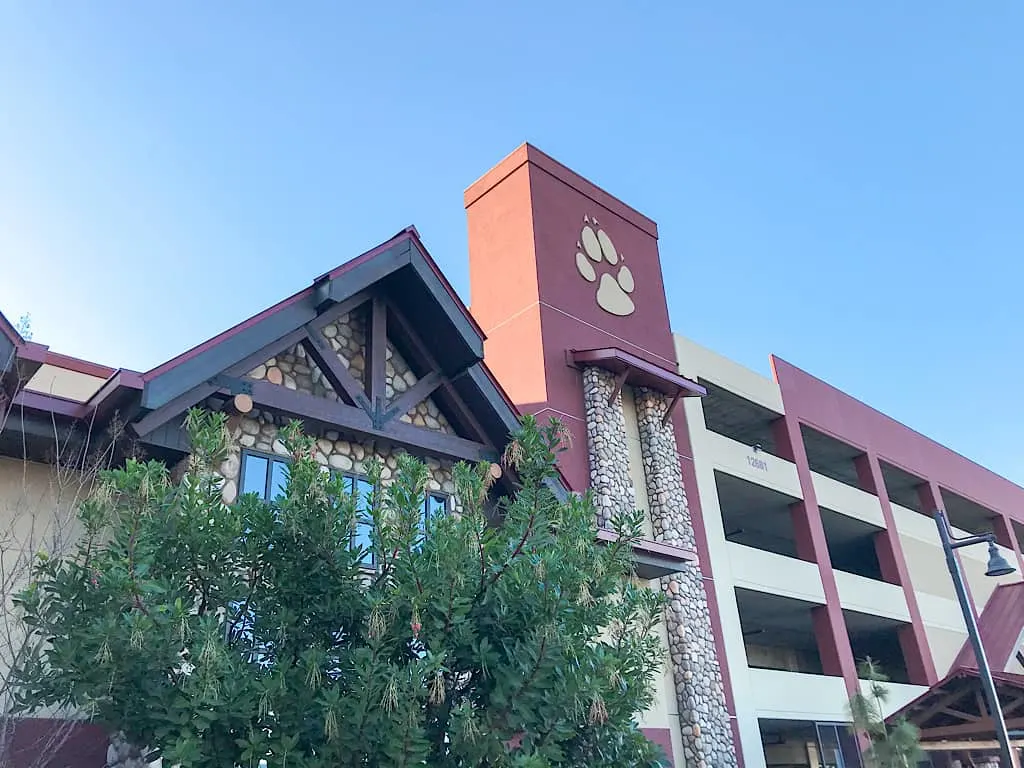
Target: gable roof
[399,272]
[403,261]
[1001,625]
[954,708]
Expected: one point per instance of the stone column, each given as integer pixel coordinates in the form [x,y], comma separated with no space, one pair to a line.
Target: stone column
[606,439]
[704,719]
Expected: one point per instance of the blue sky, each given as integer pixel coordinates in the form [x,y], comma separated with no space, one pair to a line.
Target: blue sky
[837,183]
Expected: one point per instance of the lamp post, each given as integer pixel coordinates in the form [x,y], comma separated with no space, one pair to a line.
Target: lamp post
[997,566]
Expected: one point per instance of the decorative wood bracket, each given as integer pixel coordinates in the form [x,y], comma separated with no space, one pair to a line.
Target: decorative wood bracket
[620,379]
[233,384]
[412,397]
[671,407]
[337,374]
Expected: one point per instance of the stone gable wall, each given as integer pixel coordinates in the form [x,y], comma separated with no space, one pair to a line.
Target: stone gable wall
[295,370]
[258,431]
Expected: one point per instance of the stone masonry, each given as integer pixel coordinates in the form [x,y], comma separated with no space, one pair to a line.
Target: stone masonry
[707,730]
[606,440]
[703,717]
[258,430]
[347,337]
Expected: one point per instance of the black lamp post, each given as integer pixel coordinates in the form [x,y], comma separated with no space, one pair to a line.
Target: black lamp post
[997,566]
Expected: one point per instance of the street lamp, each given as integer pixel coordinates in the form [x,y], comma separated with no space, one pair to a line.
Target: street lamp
[997,566]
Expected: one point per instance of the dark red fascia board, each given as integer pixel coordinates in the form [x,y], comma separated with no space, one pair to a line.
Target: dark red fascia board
[122,381]
[59,406]
[638,371]
[653,547]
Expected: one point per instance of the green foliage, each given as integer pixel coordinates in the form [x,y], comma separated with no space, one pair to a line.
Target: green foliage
[893,745]
[217,635]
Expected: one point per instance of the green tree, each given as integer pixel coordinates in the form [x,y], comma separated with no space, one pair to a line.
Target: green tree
[214,635]
[893,745]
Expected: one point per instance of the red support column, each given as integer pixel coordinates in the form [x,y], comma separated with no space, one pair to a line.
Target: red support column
[829,625]
[913,639]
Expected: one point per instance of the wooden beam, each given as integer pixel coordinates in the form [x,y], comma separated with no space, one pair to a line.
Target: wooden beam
[1012,706]
[337,310]
[187,399]
[376,353]
[331,414]
[920,719]
[620,379]
[464,416]
[671,407]
[421,356]
[949,746]
[962,715]
[412,397]
[983,728]
[339,376]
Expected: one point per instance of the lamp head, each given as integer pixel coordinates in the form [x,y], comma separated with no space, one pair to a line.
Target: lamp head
[997,565]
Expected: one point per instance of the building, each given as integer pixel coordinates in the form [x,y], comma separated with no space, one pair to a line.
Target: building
[785,522]
[817,514]
[808,510]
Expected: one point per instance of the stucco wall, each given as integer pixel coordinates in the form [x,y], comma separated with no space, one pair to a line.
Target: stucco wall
[636,458]
[72,385]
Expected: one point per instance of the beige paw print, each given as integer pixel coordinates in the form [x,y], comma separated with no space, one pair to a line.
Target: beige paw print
[596,248]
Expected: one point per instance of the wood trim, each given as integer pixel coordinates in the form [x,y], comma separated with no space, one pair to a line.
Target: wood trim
[464,415]
[337,310]
[332,414]
[671,407]
[962,715]
[421,357]
[947,700]
[620,379]
[376,353]
[186,400]
[981,728]
[341,379]
[412,397]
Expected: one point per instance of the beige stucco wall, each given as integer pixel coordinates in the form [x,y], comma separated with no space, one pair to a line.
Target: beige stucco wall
[926,565]
[944,644]
[636,459]
[664,712]
[51,380]
[37,513]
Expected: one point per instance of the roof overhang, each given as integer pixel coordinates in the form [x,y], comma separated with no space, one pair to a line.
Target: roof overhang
[636,372]
[953,709]
[654,559]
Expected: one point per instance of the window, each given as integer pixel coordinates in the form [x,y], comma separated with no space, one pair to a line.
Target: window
[267,477]
[363,491]
[264,475]
[436,504]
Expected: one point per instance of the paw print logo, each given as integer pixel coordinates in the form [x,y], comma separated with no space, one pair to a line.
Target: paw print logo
[596,255]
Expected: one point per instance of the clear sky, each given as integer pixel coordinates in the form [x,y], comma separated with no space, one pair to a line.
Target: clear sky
[837,183]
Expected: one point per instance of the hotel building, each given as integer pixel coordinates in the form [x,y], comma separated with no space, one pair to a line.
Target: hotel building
[786,523]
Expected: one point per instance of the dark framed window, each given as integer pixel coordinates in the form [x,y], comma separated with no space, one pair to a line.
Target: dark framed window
[362,489]
[435,505]
[264,474]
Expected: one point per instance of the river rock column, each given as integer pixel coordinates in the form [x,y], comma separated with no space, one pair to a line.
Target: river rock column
[704,719]
[606,439]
